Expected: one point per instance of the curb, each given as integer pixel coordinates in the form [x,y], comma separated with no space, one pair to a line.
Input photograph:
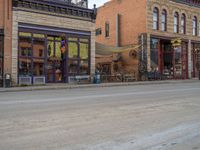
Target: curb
[68,86]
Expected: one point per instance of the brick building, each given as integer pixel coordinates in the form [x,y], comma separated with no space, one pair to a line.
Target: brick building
[46,41]
[168,32]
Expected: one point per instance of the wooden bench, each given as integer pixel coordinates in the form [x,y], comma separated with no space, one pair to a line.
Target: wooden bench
[129,77]
[82,79]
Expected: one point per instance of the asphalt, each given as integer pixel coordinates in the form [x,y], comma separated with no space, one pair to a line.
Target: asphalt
[142,117]
[73,86]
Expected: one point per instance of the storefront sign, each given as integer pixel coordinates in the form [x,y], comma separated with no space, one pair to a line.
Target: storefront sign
[176,42]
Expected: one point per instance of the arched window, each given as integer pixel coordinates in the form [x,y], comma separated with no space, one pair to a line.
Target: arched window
[199,28]
[164,20]
[183,24]
[194,26]
[176,22]
[155,18]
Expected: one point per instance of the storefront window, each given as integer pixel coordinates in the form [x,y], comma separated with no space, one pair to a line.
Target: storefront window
[38,48]
[25,67]
[195,47]
[73,50]
[50,49]
[154,54]
[73,67]
[178,62]
[38,67]
[25,46]
[45,55]
[84,51]
[58,50]
[84,67]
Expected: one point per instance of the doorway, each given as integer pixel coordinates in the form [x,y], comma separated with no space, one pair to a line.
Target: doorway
[167,57]
[173,60]
[56,59]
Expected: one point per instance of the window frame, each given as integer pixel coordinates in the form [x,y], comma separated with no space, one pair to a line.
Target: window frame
[164,21]
[156,18]
[107,29]
[183,23]
[176,22]
[194,26]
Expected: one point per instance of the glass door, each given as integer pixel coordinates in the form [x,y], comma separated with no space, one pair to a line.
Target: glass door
[55,59]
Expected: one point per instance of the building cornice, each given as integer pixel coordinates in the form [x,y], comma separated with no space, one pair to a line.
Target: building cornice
[56,7]
[192,3]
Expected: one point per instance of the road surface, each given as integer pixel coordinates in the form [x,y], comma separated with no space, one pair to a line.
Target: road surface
[145,117]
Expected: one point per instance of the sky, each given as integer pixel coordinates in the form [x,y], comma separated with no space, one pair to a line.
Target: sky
[97,2]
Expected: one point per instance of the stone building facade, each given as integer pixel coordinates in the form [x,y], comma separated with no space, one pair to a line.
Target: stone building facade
[168,32]
[52,42]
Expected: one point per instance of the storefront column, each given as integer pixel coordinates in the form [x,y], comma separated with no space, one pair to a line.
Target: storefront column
[189,59]
[92,54]
[14,50]
[148,53]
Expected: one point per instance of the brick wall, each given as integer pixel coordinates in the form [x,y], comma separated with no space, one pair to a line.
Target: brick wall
[132,21]
[61,21]
[6,24]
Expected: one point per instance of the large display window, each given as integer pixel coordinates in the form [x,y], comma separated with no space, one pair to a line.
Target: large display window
[170,61]
[154,54]
[78,56]
[53,56]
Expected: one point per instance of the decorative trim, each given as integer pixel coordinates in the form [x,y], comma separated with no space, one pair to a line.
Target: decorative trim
[56,7]
[53,29]
[193,3]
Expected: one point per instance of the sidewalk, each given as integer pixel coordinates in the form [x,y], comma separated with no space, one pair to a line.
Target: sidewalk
[73,86]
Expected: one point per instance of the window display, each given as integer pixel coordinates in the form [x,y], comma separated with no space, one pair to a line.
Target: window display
[53,57]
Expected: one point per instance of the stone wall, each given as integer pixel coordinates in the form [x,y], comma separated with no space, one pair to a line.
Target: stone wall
[172,7]
[51,20]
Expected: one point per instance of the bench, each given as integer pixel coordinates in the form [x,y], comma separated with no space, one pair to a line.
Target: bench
[129,77]
[82,79]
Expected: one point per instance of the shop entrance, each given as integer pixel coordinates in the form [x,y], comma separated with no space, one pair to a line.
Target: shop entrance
[173,60]
[56,59]
[166,60]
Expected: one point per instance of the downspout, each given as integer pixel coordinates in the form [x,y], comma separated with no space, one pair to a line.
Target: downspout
[118,30]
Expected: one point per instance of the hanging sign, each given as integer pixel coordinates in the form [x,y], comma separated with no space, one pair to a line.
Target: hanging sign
[176,42]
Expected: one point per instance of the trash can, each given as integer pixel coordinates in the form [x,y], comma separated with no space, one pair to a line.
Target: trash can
[7,80]
[97,78]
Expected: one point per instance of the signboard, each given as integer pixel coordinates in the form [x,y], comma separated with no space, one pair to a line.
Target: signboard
[176,42]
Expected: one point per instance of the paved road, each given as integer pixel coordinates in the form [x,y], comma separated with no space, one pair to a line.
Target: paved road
[151,117]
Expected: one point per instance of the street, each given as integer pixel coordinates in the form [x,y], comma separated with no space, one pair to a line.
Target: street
[143,117]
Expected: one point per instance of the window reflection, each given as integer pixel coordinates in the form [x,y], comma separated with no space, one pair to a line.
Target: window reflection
[73,67]
[84,51]
[154,54]
[73,50]
[25,67]
[38,67]
[84,67]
